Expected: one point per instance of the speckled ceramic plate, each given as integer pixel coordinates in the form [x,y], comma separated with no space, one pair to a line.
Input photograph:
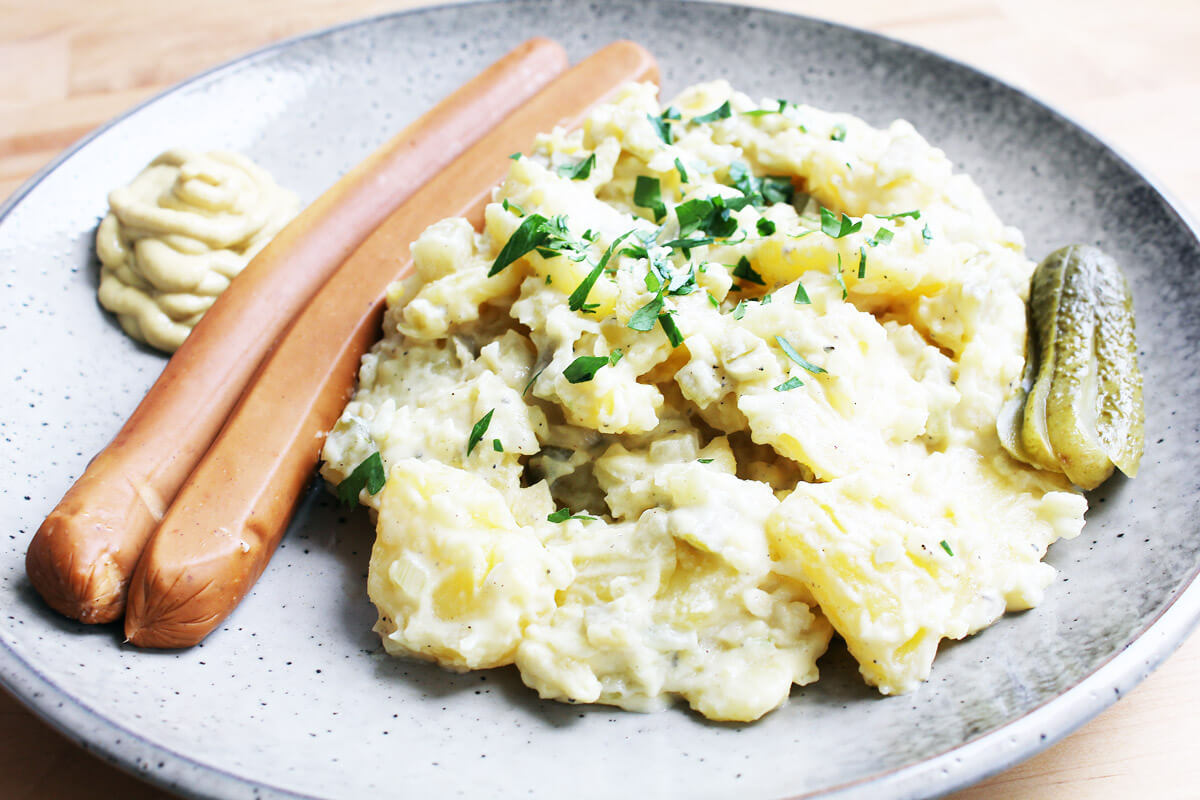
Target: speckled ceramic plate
[294,697]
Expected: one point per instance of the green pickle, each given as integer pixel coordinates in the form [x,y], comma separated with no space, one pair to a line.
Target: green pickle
[1078,408]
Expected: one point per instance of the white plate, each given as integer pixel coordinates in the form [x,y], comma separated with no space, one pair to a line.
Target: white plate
[293,695]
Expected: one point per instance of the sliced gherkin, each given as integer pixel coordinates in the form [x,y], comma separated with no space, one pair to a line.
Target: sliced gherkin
[1078,409]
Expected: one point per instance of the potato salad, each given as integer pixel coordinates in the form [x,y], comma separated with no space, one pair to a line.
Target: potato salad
[716,381]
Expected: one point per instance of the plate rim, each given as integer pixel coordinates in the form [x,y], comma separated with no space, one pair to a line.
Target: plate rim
[959,766]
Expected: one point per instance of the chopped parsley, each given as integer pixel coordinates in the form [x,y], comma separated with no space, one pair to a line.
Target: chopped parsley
[927,234]
[722,111]
[765,226]
[478,430]
[760,112]
[615,356]
[761,191]
[915,214]
[862,262]
[515,156]
[712,300]
[369,475]
[836,228]
[499,448]
[580,171]
[739,310]
[584,368]
[744,271]
[838,134]
[791,353]
[841,281]
[791,383]
[533,378]
[662,124]
[882,236]
[705,460]
[564,514]
[946,546]
[549,237]
[578,298]
[683,176]
[513,207]
[644,318]
[647,193]
[670,329]
[801,294]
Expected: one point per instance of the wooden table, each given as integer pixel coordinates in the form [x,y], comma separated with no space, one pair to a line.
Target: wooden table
[1131,72]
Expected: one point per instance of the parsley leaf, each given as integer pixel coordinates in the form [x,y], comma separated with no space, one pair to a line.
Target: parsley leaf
[791,353]
[760,112]
[744,271]
[647,193]
[674,336]
[584,368]
[662,125]
[926,234]
[777,189]
[533,378]
[564,514]
[683,176]
[791,383]
[765,226]
[832,226]
[580,171]
[801,294]
[739,310]
[615,356]
[862,262]
[529,236]
[712,300]
[369,475]
[838,134]
[644,318]
[841,281]
[499,448]
[882,236]
[478,430]
[515,156]
[915,214]
[705,460]
[946,546]
[722,111]
[578,298]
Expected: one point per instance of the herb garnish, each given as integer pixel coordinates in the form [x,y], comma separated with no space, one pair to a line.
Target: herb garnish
[549,237]
[674,336]
[683,176]
[644,318]
[791,383]
[837,228]
[722,111]
[765,226]
[882,236]
[759,112]
[369,475]
[584,368]
[647,193]
[915,214]
[533,378]
[801,294]
[564,514]
[662,124]
[862,262]
[838,134]
[705,460]
[946,546]
[499,448]
[513,207]
[578,298]
[739,310]
[791,353]
[744,271]
[478,430]
[580,171]
[927,234]
[841,281]
[761,191]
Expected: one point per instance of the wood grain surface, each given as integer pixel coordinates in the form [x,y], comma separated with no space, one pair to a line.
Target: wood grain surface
[1130,72]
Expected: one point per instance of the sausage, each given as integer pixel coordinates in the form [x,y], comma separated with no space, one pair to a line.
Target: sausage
[82,556]
[226,522]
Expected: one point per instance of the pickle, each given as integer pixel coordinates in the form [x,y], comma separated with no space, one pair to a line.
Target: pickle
[1078,408]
